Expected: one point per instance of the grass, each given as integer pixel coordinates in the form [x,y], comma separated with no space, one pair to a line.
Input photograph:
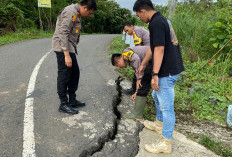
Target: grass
[205,94]
[21,35]
[28,34]
[215,146]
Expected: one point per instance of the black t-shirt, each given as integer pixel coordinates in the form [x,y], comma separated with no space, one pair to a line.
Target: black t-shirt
[162,34]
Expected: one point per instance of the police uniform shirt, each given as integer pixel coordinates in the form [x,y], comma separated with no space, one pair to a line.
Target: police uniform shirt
[141,36]
[133,56]
[68,26]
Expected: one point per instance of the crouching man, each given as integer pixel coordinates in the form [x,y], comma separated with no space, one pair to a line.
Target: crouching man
[133,56]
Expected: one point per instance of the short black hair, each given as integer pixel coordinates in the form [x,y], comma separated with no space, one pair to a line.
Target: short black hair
[128,23]
[143,4]
[114,57]
[91,4]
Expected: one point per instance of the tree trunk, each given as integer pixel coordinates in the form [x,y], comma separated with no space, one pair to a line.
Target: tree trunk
[40,21]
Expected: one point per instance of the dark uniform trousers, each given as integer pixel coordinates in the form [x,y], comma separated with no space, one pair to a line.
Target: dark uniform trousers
[146,81]
[68,78]
[134,82]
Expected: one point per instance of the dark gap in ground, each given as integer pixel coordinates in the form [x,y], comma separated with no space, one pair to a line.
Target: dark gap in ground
[111,135]
[115,102]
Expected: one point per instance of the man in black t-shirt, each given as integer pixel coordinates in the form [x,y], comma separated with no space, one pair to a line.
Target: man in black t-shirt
[167,65]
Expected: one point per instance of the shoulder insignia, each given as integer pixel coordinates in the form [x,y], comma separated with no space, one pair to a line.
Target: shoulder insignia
[74,17]
[127,55]
[137,40]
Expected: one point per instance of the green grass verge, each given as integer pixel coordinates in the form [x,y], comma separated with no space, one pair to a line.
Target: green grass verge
[28,34]
[21,35]
[215,146]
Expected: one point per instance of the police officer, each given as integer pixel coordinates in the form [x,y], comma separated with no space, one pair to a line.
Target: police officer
[64,41]
[133,56]
[140,35]
[141,38]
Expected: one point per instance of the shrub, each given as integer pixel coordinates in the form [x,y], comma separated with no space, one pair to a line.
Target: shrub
[11,18]
[221,30]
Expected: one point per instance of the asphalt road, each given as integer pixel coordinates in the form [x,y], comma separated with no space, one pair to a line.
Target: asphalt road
[56,134]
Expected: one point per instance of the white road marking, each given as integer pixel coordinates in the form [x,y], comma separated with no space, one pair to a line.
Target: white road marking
[28,130]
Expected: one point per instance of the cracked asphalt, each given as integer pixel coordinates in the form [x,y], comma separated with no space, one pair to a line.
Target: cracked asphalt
[59,134]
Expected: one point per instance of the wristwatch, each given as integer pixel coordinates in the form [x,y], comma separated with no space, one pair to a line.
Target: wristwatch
[154,74]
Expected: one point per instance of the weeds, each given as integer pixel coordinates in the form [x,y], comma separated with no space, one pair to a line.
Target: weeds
[23,35]
[215,146]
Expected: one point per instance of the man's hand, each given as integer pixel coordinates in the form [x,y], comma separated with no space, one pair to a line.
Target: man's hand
[133,97]
[140,70]
[68,60]
[155,83]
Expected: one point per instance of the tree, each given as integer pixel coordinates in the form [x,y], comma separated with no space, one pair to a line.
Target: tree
[16,14]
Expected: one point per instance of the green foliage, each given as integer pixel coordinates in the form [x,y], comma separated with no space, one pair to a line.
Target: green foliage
[204,93]
[190,25]
[221,30]
[18,14]
[150,110]
[162,9]
[109,18]
[203,26]
[11,18]
[23,35]
[215,146]
[117,45]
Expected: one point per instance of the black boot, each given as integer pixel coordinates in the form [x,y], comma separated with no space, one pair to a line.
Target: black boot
[75,103]
[65,107]
[130,91]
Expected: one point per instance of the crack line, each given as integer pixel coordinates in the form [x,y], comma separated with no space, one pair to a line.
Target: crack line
[111,135]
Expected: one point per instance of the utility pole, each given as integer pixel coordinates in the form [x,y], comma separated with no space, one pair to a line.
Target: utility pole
[44,4]
[40,20]
[172,8]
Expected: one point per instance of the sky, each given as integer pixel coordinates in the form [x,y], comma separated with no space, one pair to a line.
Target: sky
[130,3]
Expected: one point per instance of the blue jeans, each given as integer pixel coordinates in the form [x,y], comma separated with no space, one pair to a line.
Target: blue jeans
[164,101]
